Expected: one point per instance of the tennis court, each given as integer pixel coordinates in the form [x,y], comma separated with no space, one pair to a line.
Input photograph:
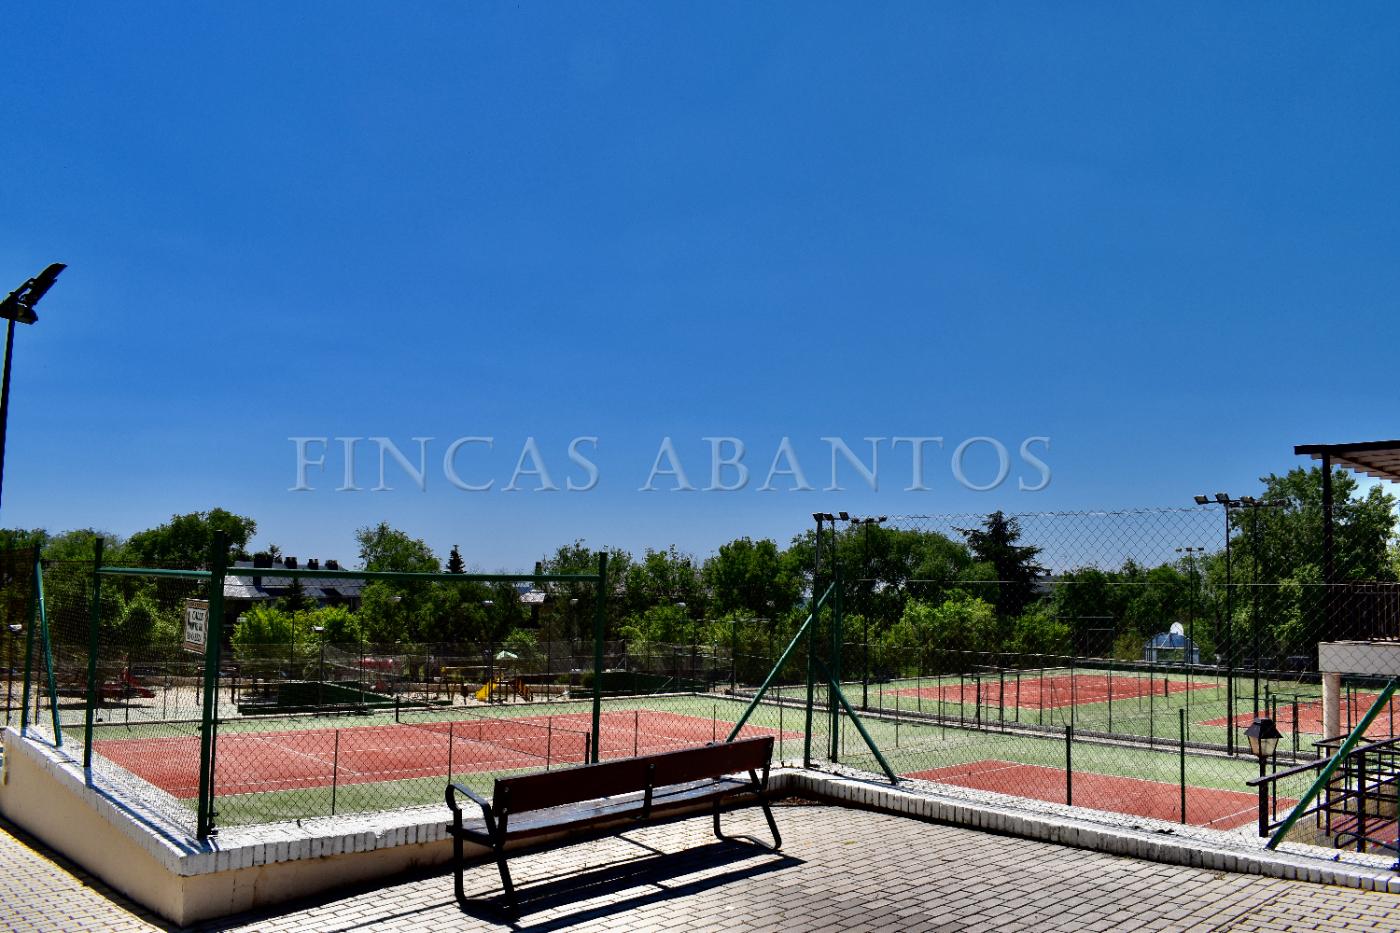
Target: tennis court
[1205,806]
[255,762]
[1309,716]
[1029,690]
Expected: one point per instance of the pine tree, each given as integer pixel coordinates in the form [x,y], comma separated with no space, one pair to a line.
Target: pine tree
[296,599]
[455,564]
[1014,565]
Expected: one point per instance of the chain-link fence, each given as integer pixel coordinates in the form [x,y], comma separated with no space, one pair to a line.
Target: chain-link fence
[1111,660]
[207,724]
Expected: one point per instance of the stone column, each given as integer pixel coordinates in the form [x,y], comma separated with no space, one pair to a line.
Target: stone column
[1331,704]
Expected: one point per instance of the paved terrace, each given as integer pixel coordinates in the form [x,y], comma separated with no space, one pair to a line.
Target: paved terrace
[840,869]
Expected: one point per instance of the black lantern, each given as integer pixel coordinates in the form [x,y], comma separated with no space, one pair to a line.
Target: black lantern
[1263,738]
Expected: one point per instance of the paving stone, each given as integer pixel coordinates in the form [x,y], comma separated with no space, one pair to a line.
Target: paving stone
[840,870]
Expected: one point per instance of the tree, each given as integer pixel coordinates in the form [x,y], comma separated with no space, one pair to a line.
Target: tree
[15,538]
[748,577]
[664,578]
[81,545]
[1014,566]
[383,547]
[569,611]
[184,541]
[295,599]
[455,564]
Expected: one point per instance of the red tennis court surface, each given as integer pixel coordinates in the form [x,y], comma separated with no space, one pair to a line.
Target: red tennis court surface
[1032,691]
[1310,716]
[1221,809]
[258,762]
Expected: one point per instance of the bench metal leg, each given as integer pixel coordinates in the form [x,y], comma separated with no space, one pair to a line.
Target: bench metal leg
[457,866]
[509,899]
[772,826]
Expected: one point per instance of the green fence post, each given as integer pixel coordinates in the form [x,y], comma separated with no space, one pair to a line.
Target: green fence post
[774,674]
[94,622]
[28,661]
[1182,726]
[811,688]
[213,633]
[838,648]
[48,649]
[734,657]
[599,624]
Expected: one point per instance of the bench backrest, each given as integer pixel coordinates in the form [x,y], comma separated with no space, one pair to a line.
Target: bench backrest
[629,775]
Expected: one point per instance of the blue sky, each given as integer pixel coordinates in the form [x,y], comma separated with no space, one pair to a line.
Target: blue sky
[1164,238]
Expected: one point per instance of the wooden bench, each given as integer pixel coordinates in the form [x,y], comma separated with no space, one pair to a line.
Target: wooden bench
[611,797]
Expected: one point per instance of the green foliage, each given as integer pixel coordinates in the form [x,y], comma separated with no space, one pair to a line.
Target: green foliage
[80,545]
[295,599]
[15,538]
[1013,566]
[958,625]
[341,626]
[1039,631]
[383,547]
[142,622]
[569,610]
[270,632]
[455,564]
[752,578]
[526,647]
[184,541]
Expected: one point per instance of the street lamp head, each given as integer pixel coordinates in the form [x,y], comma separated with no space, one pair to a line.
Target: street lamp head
[15,628]
[817,517]
[1263,737]
[318,629]
[1223,498]
[844,516]
[19,304]
[1202,500]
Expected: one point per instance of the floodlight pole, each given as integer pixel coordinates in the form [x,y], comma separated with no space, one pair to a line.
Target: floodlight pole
[17,306]
[1225,502]
[865,618]
[5,396]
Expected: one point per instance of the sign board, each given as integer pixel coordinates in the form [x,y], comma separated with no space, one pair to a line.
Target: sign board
[196,625]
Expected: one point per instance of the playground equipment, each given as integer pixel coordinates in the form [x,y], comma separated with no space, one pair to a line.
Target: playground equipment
[125,687]
[500,690]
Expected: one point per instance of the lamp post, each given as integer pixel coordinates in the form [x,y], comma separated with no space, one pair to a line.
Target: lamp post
[18,306]
[1225,502]
[15,628]
[865,616]
[320,630]
[1263,738]
[1192,555]
[1189,653]
[1254,505]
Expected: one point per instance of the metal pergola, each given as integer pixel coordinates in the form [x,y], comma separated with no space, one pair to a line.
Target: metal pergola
[1379,459]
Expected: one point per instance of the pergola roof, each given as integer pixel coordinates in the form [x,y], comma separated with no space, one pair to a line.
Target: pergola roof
[1380,459]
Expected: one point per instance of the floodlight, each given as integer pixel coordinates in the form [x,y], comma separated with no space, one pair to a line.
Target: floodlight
[19,304]
[844,516]
[1223,498]
[1201,500]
